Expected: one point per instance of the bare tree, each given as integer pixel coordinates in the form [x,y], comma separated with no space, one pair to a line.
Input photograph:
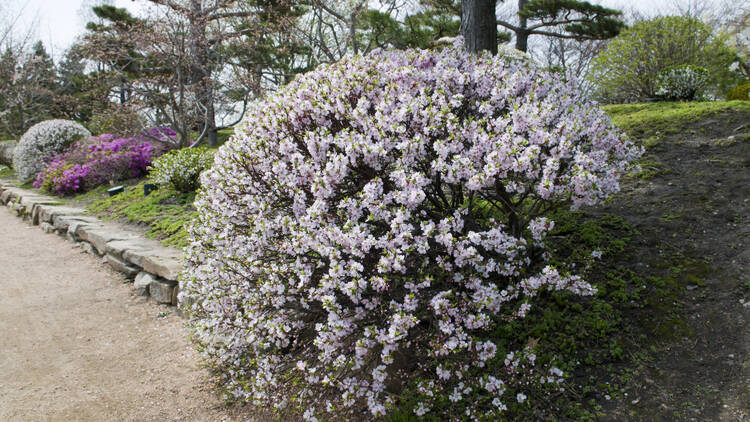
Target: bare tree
[11,36]
[208,27]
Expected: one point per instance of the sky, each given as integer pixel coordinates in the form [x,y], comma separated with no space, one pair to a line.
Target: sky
[60,20]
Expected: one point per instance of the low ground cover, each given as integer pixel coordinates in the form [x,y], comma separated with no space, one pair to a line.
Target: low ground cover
[644,120]
[164,213]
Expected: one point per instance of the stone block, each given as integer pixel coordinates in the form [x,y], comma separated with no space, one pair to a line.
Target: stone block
[121,266]
[119,248]
[166,266]
[141,283]
[47,213]
[175,295]
[99,236]
[88,248]
[62,222]
[11,194]
[161,290]
[16,208]
[154,258]
[80,224]
[30,200]
[36,209]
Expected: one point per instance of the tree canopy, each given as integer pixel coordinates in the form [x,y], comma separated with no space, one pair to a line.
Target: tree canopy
[628,68]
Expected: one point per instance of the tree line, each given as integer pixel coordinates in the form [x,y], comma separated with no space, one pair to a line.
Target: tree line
[197,65]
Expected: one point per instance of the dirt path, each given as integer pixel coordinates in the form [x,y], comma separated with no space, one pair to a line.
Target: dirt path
[76,345]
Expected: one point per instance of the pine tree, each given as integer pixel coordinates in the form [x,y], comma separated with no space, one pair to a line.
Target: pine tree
[574,19]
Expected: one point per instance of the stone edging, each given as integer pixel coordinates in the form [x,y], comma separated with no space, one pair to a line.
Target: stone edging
[153,268]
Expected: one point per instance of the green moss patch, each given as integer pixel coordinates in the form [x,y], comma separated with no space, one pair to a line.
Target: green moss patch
[165,212]
[643,120]
[7,173]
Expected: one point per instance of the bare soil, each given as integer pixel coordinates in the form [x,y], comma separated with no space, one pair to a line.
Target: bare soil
[77,345]
[694,212]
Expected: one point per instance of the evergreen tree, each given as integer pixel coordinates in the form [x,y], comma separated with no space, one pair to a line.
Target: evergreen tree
[109,44]
[574,19]
[78,94]
[28,96]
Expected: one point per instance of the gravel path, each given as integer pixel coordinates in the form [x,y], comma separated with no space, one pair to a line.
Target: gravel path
[77,345]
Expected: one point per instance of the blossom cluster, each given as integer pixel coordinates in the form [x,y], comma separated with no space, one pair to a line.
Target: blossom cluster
[42,141]
[370,224]
[685,82]
[96,161]
[181,169]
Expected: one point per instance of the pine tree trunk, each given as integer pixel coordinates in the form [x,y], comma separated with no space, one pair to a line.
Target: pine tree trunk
[522,36]
[479,25]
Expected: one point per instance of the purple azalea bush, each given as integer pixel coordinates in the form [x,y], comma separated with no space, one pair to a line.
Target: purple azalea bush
[99,160]
[371,224]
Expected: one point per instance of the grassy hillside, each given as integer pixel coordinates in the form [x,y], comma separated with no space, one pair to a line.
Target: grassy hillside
[647,119]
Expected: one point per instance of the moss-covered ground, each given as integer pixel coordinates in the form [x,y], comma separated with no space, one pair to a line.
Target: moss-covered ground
[7,172]
[164,212]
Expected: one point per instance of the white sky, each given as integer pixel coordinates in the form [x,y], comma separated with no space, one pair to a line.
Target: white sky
[60,22]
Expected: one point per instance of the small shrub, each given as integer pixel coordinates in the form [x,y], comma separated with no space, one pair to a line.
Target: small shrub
[740,92]
[372,224]
[182,168]
[681,83]
[42,141]
[90,163]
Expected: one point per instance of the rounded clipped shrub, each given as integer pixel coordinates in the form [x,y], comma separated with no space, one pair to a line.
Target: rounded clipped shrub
[372,226]
[682,83]
[41,142]
[740,92]
[182,168]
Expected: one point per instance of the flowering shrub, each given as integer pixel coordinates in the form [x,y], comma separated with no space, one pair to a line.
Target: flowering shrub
[182,168]
[370,225]
[97,161]
[740,92]
[42,141]
[684,82]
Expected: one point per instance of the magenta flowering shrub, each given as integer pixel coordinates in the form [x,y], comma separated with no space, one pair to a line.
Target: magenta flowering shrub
[371,224]
[97,161]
